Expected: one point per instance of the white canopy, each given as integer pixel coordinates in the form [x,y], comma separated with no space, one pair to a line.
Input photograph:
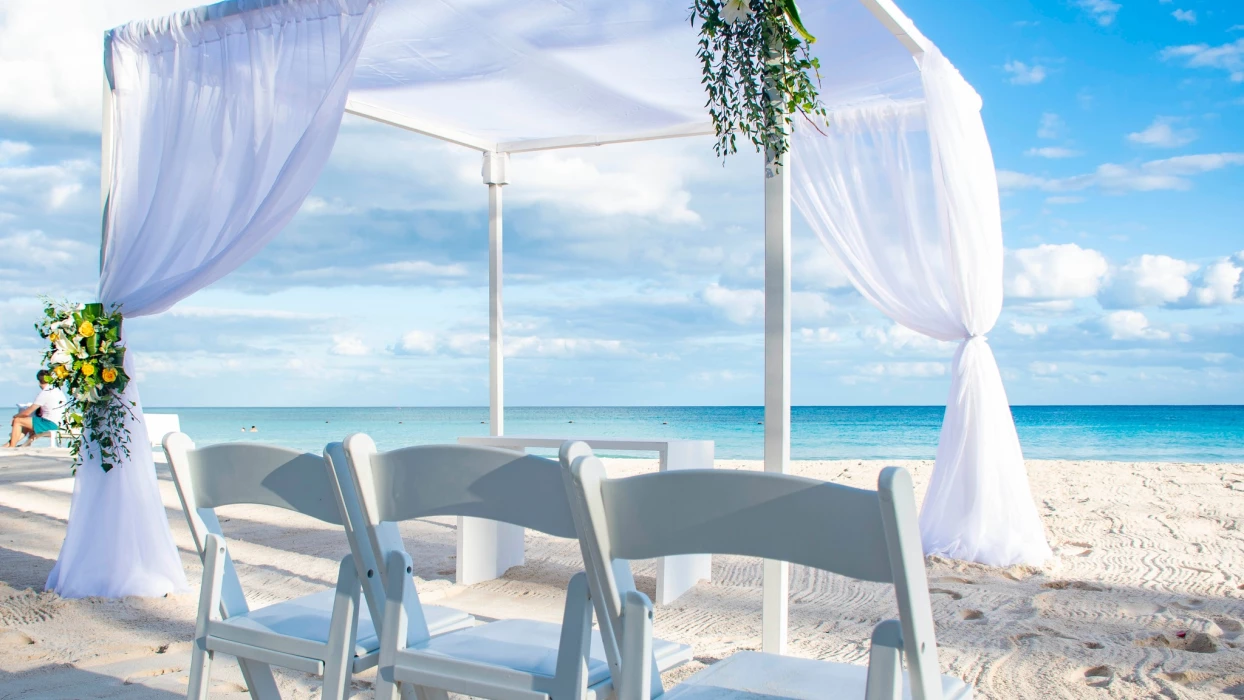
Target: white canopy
[218,121]
[518,75]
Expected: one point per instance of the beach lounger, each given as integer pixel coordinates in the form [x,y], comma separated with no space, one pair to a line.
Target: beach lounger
[506,659]
[866,535]
[323,633]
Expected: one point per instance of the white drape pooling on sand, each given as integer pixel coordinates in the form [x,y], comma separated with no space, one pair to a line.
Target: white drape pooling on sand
[905,196]
[223,119]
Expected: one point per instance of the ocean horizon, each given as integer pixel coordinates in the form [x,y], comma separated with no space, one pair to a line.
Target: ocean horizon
[1178,433]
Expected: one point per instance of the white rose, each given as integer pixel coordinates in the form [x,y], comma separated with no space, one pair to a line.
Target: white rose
[734,10]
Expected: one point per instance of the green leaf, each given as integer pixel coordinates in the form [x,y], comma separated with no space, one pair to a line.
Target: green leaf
[792,14]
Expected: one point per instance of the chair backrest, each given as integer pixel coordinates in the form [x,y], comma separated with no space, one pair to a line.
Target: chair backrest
[160,425]
[246,473]
[867,535]
[368,550]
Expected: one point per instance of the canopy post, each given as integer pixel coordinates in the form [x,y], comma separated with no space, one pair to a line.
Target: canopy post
[487,548]
[495,176]
[777,379]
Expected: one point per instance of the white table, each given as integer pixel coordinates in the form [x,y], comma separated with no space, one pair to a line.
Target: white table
[487,548]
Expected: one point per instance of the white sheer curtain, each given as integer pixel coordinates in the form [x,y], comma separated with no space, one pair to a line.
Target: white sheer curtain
[224,117]
[905,196]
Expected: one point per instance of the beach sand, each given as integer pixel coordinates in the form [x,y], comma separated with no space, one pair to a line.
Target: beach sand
[1145,597]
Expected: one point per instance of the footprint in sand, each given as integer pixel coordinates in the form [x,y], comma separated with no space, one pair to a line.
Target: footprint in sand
[14,639]
[1190,604]
[971,614]
[151,673]
[1231,628]
[1093,645]
[1099,676]
[1140,608]
[1076,585]
[943,591]
[1076,549]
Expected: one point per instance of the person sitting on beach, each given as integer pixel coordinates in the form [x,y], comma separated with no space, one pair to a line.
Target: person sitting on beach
[42,416]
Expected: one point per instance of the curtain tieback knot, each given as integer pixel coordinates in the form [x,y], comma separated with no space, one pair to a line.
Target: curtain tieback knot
[975,336]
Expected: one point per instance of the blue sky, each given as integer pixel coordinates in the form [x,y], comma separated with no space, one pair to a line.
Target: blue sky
[633,273]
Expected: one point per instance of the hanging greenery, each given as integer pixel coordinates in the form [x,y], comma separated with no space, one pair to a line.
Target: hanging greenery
[758,72]
[86,359]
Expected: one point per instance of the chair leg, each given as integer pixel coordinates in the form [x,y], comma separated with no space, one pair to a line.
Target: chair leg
[424,693]
[200,671]
[397,586]
[339,661]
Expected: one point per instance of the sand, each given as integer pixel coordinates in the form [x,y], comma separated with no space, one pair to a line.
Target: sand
[1145,597]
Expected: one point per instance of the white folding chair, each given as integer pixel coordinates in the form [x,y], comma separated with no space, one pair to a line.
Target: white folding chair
[866,535]
[506,659]
[323,633]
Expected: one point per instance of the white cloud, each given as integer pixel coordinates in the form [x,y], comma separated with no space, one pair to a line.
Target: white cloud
[1030,330]
[422,268]
[814,267]
[1218,284]
[741,306]
[318,206]
[1055,271]
[1042,369]
[50,56]
[35,249]
[1063,199]
[819,335]
[1050,127]
[349,346]
[1104,11]
[50,186]
[1052,152]
[1163,134]
[809,306]
[1024,74]
[12,149]
[1150,280]
[534,346]
[904,370]
[1228,57]
[898,339]
[217,312]
[1154,175]
[416,343]
[1186,16]
[1131,325]
[607,183]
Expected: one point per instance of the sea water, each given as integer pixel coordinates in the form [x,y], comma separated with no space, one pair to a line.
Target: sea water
[1124,433]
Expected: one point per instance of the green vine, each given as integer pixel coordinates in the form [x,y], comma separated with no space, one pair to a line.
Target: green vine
[758,71]
[86,359]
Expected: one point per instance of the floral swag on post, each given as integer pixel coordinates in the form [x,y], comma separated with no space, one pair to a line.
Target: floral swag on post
[758,72]
[86,360]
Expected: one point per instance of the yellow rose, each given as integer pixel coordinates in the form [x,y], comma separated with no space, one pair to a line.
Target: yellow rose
[88,369]
[109,374]
[86,330]
[61,371]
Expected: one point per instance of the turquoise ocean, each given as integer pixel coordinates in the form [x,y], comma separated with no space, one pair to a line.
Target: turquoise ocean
[1123,433]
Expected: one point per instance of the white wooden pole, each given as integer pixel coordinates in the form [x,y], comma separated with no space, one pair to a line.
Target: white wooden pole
[777,379]
[487,548]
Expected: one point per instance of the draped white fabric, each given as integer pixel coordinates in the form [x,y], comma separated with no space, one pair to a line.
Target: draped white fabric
[904,194]
[224,117]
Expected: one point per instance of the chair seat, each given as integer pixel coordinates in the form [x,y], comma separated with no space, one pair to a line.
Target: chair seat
[751,674]
[531,647]
[309,617]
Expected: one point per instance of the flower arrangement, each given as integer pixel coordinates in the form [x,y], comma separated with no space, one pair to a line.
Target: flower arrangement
[86,359]
[758,72]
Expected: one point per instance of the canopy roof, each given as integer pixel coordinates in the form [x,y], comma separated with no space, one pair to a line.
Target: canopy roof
[518,75]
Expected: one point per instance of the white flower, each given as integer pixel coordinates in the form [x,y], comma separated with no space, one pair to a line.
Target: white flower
[734,10]
[60,357]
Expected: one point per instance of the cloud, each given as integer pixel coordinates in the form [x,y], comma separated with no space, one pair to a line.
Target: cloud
[1131,325]
[1055,271]
[898,339]
[421,268]
[741,306]
[12,149]
[1024,74]
[46,186]
[1218,284]
[534,346]
[1150,280]
[1029,330]
[1050,127]
[1064,199]
[318,206]
[1162,134]
[1228,57]
[1052,152]
[1154,175]
[1186,16]
[819,335]
[1042,369]
[415,343]
[35,250]
[348,346]
[903,370]
[1104,11]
